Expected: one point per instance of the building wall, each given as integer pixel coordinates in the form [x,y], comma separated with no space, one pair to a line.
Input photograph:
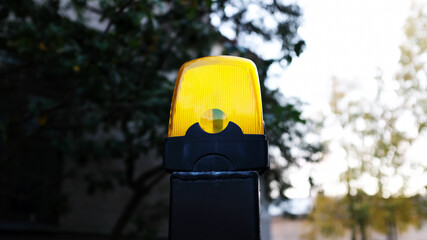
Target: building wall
[98,212]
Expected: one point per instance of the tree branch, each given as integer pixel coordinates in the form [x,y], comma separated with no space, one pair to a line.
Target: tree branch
[147,175]
[133,203]
[120,11]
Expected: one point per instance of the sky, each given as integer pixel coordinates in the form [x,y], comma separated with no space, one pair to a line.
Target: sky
[349,40]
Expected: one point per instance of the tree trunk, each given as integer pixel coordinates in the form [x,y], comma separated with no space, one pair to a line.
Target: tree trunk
[363,235]
[394,229]
[391,231]
[353,216]
[127,213]
[132,205]
[353,232]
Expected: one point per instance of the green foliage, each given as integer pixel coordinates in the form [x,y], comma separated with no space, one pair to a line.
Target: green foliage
[93,81]
[93,78]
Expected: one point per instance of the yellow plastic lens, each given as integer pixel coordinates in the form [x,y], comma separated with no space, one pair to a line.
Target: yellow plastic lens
[224,83]
[213,121]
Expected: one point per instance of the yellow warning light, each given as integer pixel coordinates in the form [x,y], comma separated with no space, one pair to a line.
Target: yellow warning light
[212,91]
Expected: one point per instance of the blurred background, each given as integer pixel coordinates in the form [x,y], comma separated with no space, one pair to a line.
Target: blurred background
[85,92]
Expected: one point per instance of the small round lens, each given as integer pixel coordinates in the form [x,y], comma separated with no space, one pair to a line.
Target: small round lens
[213,121]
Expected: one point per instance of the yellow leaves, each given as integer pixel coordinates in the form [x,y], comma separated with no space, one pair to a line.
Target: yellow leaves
[328,219]
[397,138]
[410,30]
[415,45]
[408,76]
[153,46]
[422,126]
[332,216]
[42,120]
[336,96]
[400,212]
[42,46]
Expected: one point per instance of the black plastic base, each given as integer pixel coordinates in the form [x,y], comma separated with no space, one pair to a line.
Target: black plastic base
[229,150]
[214,206]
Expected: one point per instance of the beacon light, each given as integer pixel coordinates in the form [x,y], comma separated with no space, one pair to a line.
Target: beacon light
[216,120]
[212,91]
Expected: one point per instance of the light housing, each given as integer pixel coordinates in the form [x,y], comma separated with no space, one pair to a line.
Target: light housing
[216,120]
[225,85]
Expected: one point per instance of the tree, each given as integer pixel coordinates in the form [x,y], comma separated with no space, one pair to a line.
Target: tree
[90,81]
[331,223]
[376,139]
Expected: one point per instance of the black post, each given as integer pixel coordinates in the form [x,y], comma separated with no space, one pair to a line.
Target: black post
[215,198]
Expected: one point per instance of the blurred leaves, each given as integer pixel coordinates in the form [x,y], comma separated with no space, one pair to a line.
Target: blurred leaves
[333,216]
[376,135]
[94,79]
[98,72]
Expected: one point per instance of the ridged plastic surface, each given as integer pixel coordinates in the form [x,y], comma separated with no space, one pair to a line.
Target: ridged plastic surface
[227,83]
